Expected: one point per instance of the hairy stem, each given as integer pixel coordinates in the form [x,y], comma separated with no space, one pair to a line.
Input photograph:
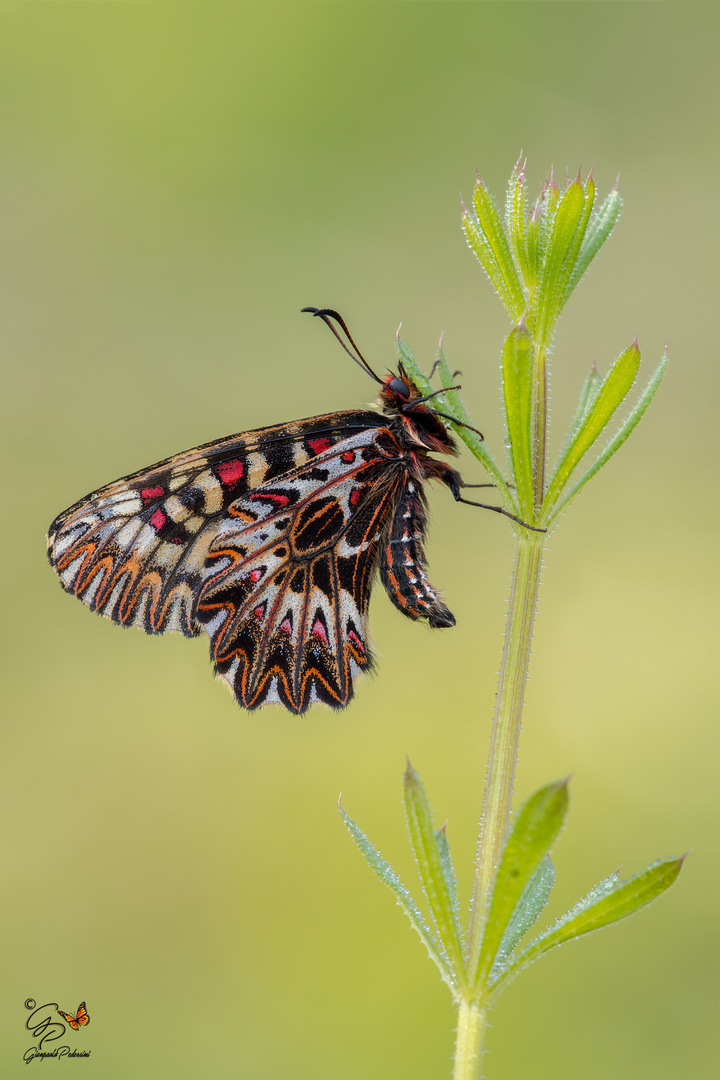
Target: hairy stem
[505,733]
[472,1019]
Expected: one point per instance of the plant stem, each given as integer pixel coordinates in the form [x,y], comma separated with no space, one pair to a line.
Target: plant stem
[472,1019]
[505,733]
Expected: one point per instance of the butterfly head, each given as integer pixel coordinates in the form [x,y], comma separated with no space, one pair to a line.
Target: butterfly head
[400,397]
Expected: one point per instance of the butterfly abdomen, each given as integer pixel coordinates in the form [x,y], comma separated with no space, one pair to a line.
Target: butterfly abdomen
[402,564]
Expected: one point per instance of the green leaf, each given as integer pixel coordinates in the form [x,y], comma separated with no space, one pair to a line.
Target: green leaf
[407,359]
[448,870]
[536,829]
[571,220]
[448,379]
[628,425]
[447,403]
[532,263]
[589,392]
[487,238]
[549,201]
[387,875]
[433,869]
[534,898]
[615,388]
[518,365]
[516,217]
[518,172]
[607,903]
[581,233]
[600,226]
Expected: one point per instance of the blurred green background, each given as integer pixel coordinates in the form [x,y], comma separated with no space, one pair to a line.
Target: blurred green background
[180,179]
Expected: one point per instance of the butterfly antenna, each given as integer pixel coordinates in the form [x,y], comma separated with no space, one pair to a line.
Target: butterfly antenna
[446,416]
[326,314]
[460,423]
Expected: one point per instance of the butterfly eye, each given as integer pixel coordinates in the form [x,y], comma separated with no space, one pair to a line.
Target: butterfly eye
[399,387]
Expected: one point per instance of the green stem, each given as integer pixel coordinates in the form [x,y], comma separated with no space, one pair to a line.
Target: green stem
[472,1019]
[505,734]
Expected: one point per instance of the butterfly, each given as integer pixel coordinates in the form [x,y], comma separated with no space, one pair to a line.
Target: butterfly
[268,542]
[77,1021]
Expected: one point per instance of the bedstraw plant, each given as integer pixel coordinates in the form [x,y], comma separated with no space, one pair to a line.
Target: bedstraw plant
[534,257]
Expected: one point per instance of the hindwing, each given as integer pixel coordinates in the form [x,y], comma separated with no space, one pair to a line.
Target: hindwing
[289,574]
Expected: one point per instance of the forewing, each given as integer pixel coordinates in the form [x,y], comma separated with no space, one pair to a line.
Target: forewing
[289,573]
[135,550]
[69,1019]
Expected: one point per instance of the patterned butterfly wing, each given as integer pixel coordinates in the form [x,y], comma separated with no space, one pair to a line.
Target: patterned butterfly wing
[289,573]
[268,541]
[82,1015]
[77,1021]
[135,550]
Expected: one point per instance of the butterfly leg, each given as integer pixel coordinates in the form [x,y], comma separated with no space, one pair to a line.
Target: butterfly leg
[454,481]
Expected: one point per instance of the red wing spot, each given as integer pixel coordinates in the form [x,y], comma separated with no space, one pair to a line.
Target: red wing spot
[352,636]
[285,626]
[254,576]
[348,456]
[319,631]
[355,496]
[158,520]
[318,445]
[271,496]
[259,612]
[230,472]
[148,494]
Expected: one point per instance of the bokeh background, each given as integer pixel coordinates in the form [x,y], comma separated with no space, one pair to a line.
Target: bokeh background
[180,179]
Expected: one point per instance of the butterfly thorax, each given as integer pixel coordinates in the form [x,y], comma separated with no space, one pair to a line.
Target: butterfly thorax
[416,426]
